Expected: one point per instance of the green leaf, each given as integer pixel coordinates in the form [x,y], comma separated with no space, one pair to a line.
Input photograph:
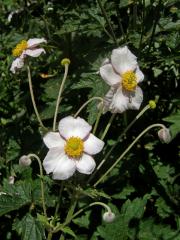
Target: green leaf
[162,208]
[175,119]
[15,197]
[124,193]
[83,221]
[69,231]
[29,228]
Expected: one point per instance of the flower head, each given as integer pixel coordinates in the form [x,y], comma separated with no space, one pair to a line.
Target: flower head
[122,73]
[71,148]
[164,135]
[24,49]
[24,161]
[109,217]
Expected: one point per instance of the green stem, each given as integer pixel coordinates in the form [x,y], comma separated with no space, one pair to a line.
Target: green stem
[32,98]
[59,95]
[42,183]
[86,103]
[50,234]
[127,150]
[107,21]
[70,212]
[122,134]
[97,120]
[59,202]
[108,126]
[90,205]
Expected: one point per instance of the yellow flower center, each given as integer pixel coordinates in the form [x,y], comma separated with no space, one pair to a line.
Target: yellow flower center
[20,47]
[129,80]
[74,147]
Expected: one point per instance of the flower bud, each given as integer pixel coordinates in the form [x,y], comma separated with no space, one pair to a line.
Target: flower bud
[25,161]
[11,180]
[152,104]
[65,61]
[164,135]
[108,217]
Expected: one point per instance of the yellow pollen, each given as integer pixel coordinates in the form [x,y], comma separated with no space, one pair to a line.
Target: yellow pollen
[74,147]
[129,80]
[20,47]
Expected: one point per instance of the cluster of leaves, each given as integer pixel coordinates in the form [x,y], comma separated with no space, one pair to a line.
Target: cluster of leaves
[143,190]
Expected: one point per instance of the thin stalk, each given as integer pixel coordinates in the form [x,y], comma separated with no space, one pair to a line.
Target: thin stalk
[122,134]
[59,202]
[117,141]
[127,150]
[42,183]
[59,95]
[70,212]
[32,98]
[90,205]
[108,126]
[86,103]
[97,120]
[107,21]
[157,12]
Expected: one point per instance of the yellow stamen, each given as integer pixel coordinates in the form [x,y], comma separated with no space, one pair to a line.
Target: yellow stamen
[65,61]
[20,47]
[129,81]
[74,147]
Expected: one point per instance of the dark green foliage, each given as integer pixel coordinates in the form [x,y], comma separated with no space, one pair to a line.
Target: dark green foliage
[143,190]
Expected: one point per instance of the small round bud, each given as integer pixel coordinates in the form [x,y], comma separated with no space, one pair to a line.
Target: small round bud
[25,161]
[11,180]
[164,135]
[108,217]
[65,61]
[152,104]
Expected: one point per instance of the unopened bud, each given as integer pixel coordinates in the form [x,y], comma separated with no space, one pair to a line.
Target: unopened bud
[164,135]
[11,180]
[152,104]
[25,161]
[108,217]
[65,61]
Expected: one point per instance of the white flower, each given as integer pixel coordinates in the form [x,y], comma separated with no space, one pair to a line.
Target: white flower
[11,180]
[71,148]
[109,217]
[164,135]
[24,49]
[122,73]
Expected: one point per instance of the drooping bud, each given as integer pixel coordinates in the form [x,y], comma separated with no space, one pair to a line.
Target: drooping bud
[109,217]
[25,161]
[11,180]
[164,135]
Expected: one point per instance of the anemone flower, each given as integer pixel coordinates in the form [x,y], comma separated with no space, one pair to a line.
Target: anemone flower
[26,48]
[71,149]
[121,72]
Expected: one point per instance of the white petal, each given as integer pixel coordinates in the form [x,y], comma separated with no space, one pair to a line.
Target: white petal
[119,102]
[123,60]
[136,99]
[86,164]
[17,64]
[65,168]
[34,52]
[74,127]
[33,42]
[52,158]
[108,99]
[53,139]
[93,145]
[139,75]
[109,75]
[124,100]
